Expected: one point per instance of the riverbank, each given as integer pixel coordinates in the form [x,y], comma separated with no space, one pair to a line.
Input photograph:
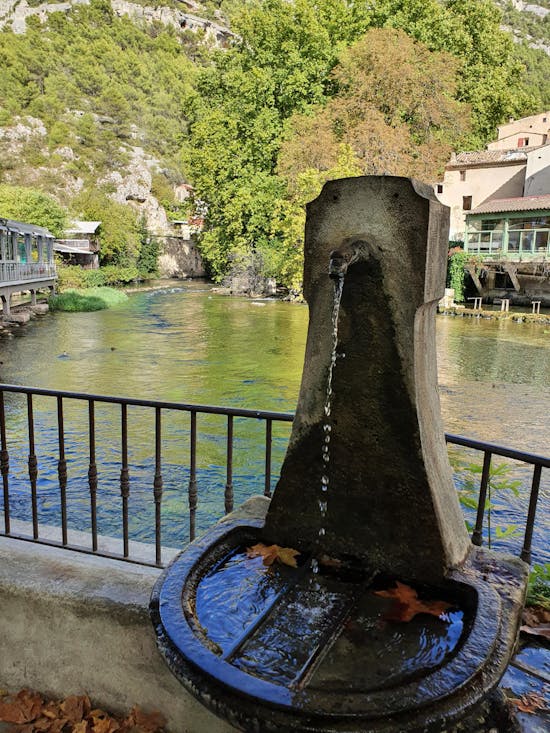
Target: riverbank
[542,319]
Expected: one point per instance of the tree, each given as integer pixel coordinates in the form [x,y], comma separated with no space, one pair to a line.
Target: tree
[32,207]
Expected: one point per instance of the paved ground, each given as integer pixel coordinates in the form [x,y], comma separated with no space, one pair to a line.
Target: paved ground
[528,673]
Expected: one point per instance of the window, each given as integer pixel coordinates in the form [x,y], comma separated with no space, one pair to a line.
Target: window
[523,142]
[462,175]
[439,188]
[466,203]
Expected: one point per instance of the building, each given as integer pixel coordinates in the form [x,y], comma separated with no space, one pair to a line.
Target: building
[26,261]
[500,208]
[515,165]
[81,246]
[528,132]
[509,240]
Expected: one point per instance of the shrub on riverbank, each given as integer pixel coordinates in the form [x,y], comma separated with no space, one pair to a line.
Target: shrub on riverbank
[74,277]
[89,299]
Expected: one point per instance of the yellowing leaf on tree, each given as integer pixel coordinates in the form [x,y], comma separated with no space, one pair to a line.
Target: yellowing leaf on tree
[272,553]
[407,604]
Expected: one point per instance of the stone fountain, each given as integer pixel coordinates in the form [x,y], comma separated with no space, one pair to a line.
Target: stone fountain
[366,497]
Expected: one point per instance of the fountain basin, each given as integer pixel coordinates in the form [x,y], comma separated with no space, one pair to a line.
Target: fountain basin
[321,664]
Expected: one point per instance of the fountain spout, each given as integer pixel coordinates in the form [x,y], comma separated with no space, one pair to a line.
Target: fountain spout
[351,251]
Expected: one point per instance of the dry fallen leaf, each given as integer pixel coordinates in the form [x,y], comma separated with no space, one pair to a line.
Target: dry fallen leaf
[535,616]
[407,604]
[541,630]
[529,703]
[29,714]
[330,562]
[147,722]
[21,708]
[271,553]
[75,708]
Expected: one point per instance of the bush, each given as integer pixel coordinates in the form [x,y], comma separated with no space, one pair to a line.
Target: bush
[74,277]
[90,299]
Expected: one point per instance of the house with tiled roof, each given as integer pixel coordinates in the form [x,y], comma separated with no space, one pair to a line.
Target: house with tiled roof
[500,208]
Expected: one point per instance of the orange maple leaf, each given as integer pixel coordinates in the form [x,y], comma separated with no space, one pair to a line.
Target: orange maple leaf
[407,604]
[272,553]
[529,703]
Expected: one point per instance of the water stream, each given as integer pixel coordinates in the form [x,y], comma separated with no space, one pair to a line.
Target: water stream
[327,426]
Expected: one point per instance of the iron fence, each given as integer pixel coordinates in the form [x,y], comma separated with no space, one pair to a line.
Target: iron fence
[159,410]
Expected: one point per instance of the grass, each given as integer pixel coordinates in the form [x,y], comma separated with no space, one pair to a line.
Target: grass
[88,299]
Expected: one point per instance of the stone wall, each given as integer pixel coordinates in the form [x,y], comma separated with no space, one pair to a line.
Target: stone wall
[179,257]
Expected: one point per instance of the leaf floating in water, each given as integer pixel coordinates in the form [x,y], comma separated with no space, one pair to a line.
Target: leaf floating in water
[330,562]
[529,703]
[407,604]
[272,553]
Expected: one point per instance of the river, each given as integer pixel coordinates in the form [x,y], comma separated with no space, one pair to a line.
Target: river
[186,343]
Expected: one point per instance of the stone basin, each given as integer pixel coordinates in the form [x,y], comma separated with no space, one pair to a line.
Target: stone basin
[315,691]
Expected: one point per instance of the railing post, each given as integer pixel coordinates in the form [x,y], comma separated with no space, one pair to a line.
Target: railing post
[477,536]
[4,464]
[62,469]
[33,467]
[533,499]
[229,467]
[157,486]
[192,491]
[92,472]
[124,476]
[268,442]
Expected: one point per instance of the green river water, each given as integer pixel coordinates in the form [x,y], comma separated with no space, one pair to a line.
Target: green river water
[186,343]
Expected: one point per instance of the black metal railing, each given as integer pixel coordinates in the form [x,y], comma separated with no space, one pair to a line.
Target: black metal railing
[160,408]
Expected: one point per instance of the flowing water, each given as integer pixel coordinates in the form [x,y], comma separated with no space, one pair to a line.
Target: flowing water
[336,632]
[186,343]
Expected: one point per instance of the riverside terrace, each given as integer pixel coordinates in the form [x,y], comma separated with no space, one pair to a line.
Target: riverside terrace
[26,261]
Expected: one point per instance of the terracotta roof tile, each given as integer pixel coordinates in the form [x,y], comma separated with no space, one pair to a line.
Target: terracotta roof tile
[477,157]
[524,203]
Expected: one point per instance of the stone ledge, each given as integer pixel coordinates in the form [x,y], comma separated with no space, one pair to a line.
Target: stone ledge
[73,624]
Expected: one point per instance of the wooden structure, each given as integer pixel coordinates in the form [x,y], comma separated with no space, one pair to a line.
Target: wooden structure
[26,261]
[509,240]
[81,247]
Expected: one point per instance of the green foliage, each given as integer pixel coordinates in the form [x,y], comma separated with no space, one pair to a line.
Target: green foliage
[72,277]
[119,235]
[456,273]
[538,590]
[32,207]
[498,484]
[147,262]
[91,299]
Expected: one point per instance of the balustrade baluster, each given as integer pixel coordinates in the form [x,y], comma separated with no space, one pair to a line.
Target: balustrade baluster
[157,486]
[477,536]
[192,491]
[229,467]
[533,499]
[4,464]
[33,467]
[268,442]
[92,473]
[124,477]
[62,469]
